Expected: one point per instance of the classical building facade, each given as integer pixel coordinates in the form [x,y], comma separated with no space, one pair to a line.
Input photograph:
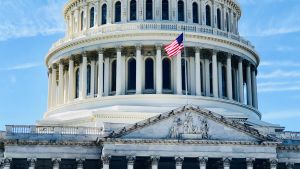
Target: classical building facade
[117,101]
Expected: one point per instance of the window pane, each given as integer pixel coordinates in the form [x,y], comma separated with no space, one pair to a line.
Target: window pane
[113,76]
[131,82]
[195,13]
[165,10]
[166,74]
[92,17]
[208,15]
[149,74]
[118,12]
[180,11]
[104,12]
[149,10]
[133,10]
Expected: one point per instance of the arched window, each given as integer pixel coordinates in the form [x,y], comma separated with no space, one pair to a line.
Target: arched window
[81,20]
[131,81]
[195,13]
[149,74]
[113,76]
[118,11]
[219,18]
[104,13]
[227,22]
[92,17]
[184,74]
[88,82]
[166,74]
[133,10]
[149,10]
[224,84]
[208,15]
[165,9]
[77,81]
[180,10]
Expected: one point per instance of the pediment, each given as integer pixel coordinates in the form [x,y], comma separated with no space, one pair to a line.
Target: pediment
[189,123]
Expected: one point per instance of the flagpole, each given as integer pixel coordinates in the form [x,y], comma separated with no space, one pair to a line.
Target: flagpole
[185,68]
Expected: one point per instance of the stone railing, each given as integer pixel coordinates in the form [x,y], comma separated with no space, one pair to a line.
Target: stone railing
[288,135]
[170,26]
[62,130]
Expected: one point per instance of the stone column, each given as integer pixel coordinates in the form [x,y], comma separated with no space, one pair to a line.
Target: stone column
[60,82]
[49,87]
[215,74]
[249,162]
[158,70]
[202,162]
[139,73]
[105,160]
[71,79]
[119,72]
[178,75]
[100,73]
[79,163]
[198,72]
[229,77]
[106,76]
[130,162]
[249,85]
[273,163]
[84,75]
[289,165]
[207,77]
[154,162]
[240,81]
[55,163]
[93,77]
[226,163]
[220,84]
[31,163]
[53,90]
[254,89]
[6,163]
[179,161]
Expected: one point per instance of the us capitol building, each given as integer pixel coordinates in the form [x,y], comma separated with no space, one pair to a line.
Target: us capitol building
[117,101]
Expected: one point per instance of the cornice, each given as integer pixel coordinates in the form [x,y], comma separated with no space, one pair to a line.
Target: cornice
[98,38]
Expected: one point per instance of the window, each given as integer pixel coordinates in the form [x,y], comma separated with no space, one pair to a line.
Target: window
[149,74]
[118,11]
[113,76]
[227,22]
[224,84]
[81,20]
[195,13]
[131,82]
[180,10]
[165,10]
[88,82]
[184,74]
[77,81]
[208,15]
[219,18]
[166,66]
[210,79]
[92,17]
[104,13]
[133,10]
[149,10]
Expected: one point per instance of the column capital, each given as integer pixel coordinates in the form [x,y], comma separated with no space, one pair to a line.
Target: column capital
[54,66]
[273,162]
[118,48]
[138,46]
[80,162]
[179,161]
[7,161]
[229,55]
[215,52]
[100,51]
[105,159]
[31,162]
[202,160]
[197,49]
[154,159]
[250,161]
[289,165]
[130,160]
[226,161]
[84,54]
[56,161]
[72,58]
[158,46]
[49,69]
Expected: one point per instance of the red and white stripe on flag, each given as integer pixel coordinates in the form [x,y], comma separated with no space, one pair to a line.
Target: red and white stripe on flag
[174,48]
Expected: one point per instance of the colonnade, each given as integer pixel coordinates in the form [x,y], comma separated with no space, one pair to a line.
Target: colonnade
[209,73]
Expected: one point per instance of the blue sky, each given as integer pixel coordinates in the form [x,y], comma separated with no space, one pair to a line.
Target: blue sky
[29,27]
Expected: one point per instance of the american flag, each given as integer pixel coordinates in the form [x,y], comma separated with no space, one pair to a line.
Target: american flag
[175,47]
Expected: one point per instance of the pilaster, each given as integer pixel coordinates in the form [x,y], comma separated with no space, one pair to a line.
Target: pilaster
[226,163]
[80,163]
[154,162]
[202,162]
[179,161]
[55,163]
[130,162]
[249,162]
[273,163]
[31,163]
[105,160]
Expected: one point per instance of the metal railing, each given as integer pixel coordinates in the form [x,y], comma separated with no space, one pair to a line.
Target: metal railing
[110,28]
[64,130]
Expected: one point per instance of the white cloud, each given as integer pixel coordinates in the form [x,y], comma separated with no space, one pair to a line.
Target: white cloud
[22,66]
[23,18]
